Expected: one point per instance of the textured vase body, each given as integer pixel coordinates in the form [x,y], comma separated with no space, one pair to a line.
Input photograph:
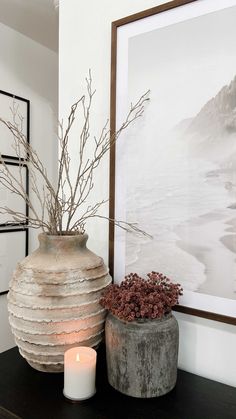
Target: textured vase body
[53,301]
[142,355]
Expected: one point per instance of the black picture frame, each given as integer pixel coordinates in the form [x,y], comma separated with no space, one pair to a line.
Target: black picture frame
[26,244]
[14,224]
[27,102]
[17,161]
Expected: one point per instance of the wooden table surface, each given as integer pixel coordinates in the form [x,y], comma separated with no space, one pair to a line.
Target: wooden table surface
[29,394]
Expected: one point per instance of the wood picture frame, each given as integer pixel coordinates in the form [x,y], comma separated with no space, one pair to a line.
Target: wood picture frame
[176,42]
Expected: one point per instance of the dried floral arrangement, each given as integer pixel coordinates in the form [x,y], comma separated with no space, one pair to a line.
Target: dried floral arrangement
[140,298]
[62,208]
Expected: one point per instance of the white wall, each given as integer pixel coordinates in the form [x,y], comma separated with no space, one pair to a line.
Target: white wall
[30,70]
[207,348]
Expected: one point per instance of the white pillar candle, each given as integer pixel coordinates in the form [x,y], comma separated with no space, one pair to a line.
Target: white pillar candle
[79,373]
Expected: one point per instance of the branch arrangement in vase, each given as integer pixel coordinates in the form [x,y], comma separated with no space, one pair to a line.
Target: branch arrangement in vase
[63,208]
[139,298]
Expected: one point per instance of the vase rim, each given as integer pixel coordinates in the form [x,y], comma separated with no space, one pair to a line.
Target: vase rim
[66,242]
[64,234]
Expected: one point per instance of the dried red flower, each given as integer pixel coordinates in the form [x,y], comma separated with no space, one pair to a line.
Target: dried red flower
[139,298]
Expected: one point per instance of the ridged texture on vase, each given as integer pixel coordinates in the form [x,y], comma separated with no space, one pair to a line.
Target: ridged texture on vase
[53,301]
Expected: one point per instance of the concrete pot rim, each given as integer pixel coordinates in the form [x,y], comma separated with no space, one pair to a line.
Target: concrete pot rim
[141,322]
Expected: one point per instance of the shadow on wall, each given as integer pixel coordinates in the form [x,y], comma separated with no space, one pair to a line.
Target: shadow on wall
[22,15]
[188,337]
[35,65]
[202,336]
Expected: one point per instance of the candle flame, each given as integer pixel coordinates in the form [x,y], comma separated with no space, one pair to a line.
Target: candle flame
[77,358]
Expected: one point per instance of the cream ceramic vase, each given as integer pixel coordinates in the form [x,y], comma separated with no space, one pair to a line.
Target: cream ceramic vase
[53,301]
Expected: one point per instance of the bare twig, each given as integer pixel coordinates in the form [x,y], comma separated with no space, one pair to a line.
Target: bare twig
[63,205]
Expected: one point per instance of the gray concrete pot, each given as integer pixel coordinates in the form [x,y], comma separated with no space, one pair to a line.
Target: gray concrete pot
[53,301]
[142,355]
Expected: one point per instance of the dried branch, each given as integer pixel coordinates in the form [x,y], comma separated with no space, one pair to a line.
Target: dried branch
[129,227]
[63,205]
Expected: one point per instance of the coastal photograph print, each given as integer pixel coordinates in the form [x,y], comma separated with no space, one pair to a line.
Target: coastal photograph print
[174,173]
[15,110]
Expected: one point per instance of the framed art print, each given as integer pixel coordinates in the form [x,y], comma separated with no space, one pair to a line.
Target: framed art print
[11,104]
[9,199]
[13,248]
[174,172]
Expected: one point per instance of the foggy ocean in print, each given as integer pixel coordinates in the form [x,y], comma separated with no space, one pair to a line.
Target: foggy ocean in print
[184,194]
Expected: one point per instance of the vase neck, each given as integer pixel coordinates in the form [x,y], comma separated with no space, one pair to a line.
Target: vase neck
[64,243]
